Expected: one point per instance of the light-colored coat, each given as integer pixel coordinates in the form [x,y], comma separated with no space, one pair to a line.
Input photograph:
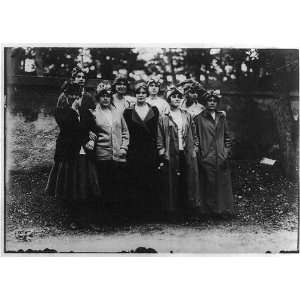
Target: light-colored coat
[168,147]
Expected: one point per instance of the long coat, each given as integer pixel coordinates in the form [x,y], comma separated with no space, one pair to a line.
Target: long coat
[142,157]
[168,147]
[214,148]
[71,135]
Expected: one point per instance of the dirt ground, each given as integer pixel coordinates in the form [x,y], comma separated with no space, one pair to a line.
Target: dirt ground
[166,239]
[266,220]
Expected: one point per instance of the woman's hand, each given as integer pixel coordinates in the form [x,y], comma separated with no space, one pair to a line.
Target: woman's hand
[162,162]
[90,145]
[92,136]
[123,153]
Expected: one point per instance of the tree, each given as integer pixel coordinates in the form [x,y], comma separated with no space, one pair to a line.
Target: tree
[283,68]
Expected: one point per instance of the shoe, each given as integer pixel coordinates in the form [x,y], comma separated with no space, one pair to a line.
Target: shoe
[74,226]
[95,227]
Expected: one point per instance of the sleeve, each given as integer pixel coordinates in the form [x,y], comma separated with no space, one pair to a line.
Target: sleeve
[125,134]
[166,108]
[62,101]
[88,125]
[65,118]
[160,141]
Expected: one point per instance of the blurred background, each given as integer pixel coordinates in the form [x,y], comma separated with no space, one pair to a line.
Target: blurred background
[259,88]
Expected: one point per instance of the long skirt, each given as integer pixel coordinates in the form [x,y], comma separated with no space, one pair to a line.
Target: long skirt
[74,181]
[142,184]
[112,177]
[173,187]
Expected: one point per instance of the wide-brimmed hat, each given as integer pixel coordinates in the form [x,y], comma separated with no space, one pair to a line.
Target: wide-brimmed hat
[173,90]
[156,81]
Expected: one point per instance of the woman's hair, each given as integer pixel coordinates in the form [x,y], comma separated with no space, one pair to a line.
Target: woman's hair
[141,85]
[119,80]
[77,70]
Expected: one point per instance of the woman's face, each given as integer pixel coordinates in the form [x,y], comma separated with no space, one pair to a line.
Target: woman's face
[211,104]
[80,79]
[105,100]
[121,88]
[153,89]
[141,95]
[175,100]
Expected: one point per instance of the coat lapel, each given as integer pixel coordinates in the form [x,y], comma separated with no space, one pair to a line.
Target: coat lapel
[136,118]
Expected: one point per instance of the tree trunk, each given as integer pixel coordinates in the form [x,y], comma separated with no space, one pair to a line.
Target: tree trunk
[39,63]
[170,59]
[288,141]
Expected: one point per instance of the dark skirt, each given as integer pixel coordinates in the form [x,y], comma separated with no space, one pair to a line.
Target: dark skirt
[142,184]
[112,177]
[75,180]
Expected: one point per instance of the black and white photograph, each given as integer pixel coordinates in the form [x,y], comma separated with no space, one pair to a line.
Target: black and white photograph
[116,150]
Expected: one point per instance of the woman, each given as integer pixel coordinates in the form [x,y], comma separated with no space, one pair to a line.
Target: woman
[214,150]
[142,121]
[153,99]
[73,178]
[78,76]
[176,144]
[110,148]
[121,101]
[193,92]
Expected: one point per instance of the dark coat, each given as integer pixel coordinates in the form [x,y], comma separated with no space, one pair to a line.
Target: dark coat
[214,148]
[168,147]
[71,135]
[142,156]
[142,146]
[74,133]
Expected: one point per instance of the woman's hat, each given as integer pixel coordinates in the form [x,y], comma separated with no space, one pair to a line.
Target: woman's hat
[140,85]
[154,80]
[119,80]
[103,84]
[104,91]
[215,94]
[193,86]
[172,91]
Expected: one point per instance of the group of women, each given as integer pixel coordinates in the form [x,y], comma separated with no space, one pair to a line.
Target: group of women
[140,156]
